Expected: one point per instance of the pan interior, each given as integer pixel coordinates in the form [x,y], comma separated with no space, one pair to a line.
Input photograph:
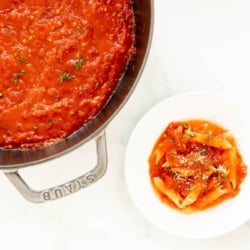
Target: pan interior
[17,158]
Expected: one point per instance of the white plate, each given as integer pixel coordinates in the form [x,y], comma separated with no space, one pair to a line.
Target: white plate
[212,222]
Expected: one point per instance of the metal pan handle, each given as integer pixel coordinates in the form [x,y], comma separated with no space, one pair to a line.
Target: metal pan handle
[68,188]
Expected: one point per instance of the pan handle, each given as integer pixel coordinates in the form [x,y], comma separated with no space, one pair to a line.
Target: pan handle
[68,188]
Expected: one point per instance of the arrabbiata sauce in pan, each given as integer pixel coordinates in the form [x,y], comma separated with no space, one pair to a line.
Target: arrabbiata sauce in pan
[60,61]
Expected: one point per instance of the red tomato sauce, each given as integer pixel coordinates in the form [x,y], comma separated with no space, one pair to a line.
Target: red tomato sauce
[197,159]
[60,61]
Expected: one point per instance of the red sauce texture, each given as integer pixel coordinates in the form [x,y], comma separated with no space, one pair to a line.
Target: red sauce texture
[60,61]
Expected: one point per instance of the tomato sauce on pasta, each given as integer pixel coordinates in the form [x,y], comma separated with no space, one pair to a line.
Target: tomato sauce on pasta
[60,62]
[195,164]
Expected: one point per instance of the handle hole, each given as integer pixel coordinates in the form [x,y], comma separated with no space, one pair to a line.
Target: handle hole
[61,169]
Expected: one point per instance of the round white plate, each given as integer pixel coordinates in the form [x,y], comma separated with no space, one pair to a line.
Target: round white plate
[212,222]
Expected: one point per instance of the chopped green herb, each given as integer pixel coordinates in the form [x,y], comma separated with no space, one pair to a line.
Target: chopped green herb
[171,138]
[175,175]
[224,179]
[79,30]
[17,76]
[22,60]
[203,151]
[217,182]
[172,154]
[51,121]
[171,172]
[169,169]
[189,132]
[79,62]
[65,76]
[57,98]
[191,188]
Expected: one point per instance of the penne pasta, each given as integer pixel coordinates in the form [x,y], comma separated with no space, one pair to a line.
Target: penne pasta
[183,172]
[191,197]
[158,155]
[213,196]
[174,197]
[199,167]
[206,139]
[232,163]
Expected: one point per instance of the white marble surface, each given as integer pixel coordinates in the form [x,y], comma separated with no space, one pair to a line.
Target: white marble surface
[197,45]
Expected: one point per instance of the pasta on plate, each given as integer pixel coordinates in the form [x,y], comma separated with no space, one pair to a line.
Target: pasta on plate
[195,164]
